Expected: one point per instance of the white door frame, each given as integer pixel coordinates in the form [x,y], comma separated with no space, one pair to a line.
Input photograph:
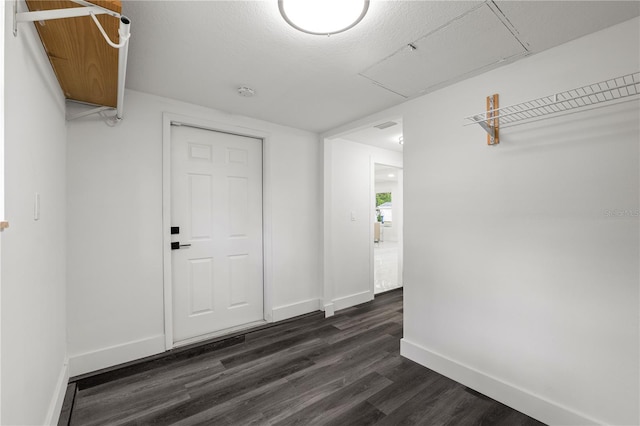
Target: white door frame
[267,253]
[2,218]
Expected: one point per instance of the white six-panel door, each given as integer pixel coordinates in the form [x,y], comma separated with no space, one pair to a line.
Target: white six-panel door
[216,201]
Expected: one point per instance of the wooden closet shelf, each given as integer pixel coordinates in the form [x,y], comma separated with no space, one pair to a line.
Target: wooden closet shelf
[85,65]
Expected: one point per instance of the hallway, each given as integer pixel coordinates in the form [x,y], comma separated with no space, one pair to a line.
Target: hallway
[343,370]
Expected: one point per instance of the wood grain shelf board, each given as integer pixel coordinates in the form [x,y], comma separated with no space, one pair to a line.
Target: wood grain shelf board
[85,65]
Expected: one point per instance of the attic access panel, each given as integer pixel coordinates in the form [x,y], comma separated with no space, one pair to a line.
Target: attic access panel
[469,44]
[85,65]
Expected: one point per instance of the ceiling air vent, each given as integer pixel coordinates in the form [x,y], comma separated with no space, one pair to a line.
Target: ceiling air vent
[385,125]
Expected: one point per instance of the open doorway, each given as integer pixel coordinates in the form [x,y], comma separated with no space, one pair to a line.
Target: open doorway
[387,234]
[350,161]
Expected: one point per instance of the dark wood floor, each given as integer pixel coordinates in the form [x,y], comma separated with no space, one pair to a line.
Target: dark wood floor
[344,370]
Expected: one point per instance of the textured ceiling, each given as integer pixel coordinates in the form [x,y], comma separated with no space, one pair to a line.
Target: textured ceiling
[202,51]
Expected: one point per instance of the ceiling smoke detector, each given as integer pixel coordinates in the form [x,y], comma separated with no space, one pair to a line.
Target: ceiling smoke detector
[246,92]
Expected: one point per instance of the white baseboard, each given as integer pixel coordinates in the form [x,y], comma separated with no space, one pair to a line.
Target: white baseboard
[294,309]
[329,310]
[114,355]
[55,406]
[352,300]
[528,403]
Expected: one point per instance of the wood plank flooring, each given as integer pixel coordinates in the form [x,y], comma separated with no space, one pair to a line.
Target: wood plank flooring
[344,370]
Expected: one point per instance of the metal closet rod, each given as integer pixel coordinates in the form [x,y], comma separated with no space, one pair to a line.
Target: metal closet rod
[88,9]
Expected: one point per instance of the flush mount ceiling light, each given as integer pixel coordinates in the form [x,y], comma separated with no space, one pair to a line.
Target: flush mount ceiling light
[323,17]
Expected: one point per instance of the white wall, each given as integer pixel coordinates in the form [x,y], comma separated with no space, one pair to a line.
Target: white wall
[34,370]
[517,282]
[349,186]
[115,290]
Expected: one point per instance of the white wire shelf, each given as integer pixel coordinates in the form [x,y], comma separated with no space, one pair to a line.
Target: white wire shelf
[585,97]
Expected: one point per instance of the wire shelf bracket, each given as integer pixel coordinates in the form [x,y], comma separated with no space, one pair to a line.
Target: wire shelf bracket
[603,93]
